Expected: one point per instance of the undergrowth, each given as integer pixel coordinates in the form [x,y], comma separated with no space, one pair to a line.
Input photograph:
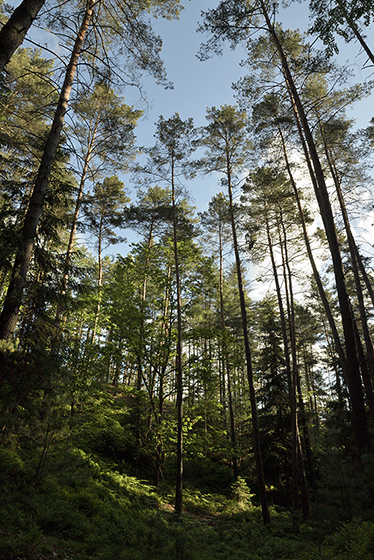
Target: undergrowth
[82,507]
[80,490]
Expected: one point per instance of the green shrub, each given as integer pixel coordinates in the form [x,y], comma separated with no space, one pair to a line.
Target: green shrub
[11,464]
[242,493]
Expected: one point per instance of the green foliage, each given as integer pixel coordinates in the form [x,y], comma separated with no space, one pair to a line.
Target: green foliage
[86,507]
[207,475]
[242,493]
[343,17]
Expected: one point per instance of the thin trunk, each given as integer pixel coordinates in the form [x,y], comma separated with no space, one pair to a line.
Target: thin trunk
[298,461]
[99,280]
[143,296]
[178,363]
[14,31]
[226,360]
[139,355]
[73,230]
[306,435]
[359,420]
[288,362]
[280,304]
[311,392]
[9,315]
[352,24]
[252,394]
[160,455]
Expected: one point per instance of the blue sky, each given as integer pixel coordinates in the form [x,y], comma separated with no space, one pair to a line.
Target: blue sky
[198,85]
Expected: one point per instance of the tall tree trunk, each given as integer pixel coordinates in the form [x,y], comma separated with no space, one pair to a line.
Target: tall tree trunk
[178,362]
[226,359]
[252,395]
[99,281]
[313,406]
[143,296]
[359,421]
[9,315]
[294,494]
[298,466]
[139,353]
[14,31]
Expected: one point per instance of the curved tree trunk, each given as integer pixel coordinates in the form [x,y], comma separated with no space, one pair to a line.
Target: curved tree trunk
[9,315]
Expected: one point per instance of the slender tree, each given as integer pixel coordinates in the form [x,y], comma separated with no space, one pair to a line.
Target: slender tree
[216,220]
[167,163]
[104,210]
[227,146]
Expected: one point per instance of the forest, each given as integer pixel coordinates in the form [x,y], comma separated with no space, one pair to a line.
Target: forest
[182,382]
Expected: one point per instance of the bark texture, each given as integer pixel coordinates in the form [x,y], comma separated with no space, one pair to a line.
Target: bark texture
[15,29]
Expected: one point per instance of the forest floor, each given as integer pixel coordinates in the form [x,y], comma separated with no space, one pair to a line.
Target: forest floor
[77,506]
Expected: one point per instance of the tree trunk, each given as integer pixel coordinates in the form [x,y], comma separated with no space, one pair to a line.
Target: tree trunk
[178,364]
[359,421]
[9,315]
[226,360]
[298,461]
[14,31]
[99,280]
[255,429]
[282,314]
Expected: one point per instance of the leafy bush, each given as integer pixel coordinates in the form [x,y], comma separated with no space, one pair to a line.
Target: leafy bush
[242,493]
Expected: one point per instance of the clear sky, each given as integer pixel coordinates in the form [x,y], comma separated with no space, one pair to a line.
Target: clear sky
[197,85]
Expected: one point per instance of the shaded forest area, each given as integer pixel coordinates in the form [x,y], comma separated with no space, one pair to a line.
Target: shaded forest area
[208,392]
